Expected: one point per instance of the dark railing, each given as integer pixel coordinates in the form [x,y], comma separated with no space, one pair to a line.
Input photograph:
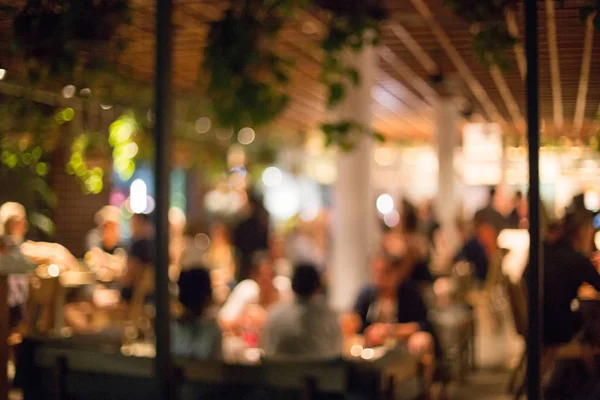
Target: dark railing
[61,369]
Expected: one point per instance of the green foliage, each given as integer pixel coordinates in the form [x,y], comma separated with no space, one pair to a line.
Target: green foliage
[491,39]
[345,134]
[85,146]
[248,79]
[51,34]
[26,129]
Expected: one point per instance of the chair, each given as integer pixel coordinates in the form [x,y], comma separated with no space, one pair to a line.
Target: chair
[517,293]
[41,305]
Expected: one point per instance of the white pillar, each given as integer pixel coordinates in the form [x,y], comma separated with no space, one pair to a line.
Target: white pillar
[354,208]
[447,117]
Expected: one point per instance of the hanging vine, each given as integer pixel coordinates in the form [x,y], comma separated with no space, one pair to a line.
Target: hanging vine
[492,40]
[57,37]
[248,77]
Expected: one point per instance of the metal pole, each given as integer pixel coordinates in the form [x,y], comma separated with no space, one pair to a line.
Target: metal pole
[162,142]
[536,276]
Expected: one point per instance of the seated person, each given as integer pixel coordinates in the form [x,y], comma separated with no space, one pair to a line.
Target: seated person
[391,308]
[140,255]
[251,298]
[13,229]
[306,327]
[479,248]
[196,334]
[567,266]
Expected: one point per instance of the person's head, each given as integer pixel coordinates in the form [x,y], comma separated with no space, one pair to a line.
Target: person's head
[110,234]
[177,221]
[518,198]
[13,221]
[139,224]
[492,193]
[195,290]
[578,230]
[306,281]
[263,271]
[387,271]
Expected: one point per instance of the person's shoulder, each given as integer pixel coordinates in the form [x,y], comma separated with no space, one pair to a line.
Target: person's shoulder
[368,291]
[246,287]
[409,288]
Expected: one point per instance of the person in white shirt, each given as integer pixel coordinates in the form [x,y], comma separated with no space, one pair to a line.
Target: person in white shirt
[251,298]
[196,333]
[306,327]
[13,229]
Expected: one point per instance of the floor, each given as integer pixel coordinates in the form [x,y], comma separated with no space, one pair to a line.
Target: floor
[498,349]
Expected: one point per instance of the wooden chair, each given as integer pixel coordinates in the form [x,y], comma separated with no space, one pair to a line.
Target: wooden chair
[41,305]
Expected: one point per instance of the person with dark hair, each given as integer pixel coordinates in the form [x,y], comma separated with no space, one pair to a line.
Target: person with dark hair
[306,327]
[196,334]
[253,297]
[391,308]
[479,249]
[567,266]
[490,215]
[513,221]
[251,235]
[141,253]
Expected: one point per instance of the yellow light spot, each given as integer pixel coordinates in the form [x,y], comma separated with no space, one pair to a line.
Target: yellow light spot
[42,169]
[68,114]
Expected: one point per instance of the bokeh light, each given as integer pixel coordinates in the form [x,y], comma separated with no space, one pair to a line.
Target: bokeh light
[385,203]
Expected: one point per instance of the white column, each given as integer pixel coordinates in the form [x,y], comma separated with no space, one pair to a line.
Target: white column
[354,208]
[447,117]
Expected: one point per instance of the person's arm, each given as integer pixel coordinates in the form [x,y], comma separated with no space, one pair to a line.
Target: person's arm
[234,307]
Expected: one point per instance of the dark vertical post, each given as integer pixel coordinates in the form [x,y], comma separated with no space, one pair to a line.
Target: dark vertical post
[536,276]
[162,143]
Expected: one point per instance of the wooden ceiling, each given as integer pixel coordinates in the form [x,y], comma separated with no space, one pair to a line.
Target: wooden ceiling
[421,39]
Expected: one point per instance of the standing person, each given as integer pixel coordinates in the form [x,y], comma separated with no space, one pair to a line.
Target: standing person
[13,229]
[513,221]
[428,223]
[306,327]
[490,215]
[220,255]
[251,235]
[106,235]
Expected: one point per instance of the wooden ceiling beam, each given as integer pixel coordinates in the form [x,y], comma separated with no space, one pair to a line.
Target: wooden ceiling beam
[511,104]
[584,78]
[559,118]
[513,28]
[458,61]
[419,84]
[417,51]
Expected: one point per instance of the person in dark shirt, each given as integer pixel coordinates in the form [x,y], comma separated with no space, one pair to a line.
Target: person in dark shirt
[489,214]
[251,235]
[391,308]
[140,254]
[513,221]
[567,266]
[479,247]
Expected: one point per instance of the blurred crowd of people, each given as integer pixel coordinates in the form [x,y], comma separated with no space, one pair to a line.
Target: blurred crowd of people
[244,286]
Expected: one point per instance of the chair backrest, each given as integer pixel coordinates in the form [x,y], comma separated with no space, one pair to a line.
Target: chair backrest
[41,304]
[518,304]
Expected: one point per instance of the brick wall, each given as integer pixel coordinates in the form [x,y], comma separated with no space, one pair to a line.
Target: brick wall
[74,213]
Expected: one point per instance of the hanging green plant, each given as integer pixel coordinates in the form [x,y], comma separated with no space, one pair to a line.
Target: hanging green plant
[54,37]
[89,155]
[492,40]
[248,78]
[27,132]
[122,138]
